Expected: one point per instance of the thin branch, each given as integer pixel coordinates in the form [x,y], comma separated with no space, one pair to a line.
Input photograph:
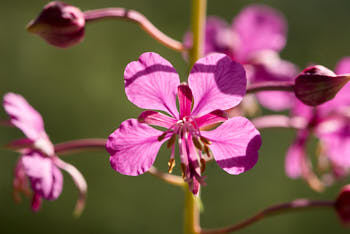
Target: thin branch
[287,86]
[297,205]
[279,121]
[171,179]
[96,143]
[80,145]
[138,18]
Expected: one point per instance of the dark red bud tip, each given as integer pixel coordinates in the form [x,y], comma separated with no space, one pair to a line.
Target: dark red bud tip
[317,84]
[60,24]
[342,205]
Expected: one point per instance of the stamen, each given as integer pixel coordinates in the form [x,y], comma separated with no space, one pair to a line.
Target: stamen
[202,165]
[183,169]
[171,141]
[197,143]
[171,165]
[205,140]
[207,151]
[161,137]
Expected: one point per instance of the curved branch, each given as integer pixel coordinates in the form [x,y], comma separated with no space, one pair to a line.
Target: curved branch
[138,18]
[279,121]
[96,143]
[297,205]
[171,179]
[80,145]
[287,86]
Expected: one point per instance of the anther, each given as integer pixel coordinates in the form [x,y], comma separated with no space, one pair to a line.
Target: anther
[171,141]
[197,143]
[205,140]
[171,165]
[161,137]
[202,165]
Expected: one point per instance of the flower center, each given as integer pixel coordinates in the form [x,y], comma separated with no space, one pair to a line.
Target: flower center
[193,148]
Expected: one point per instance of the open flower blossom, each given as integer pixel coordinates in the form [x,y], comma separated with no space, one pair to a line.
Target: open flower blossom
[38,162]
[215,83]
[330,123]
[255,38]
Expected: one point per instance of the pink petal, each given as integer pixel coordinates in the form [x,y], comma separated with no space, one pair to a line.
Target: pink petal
[259,28]
[46,179]
[24,116]
[342,99]
[36,202]
[216,82]
[235,145]
[133,147]
[294,158]
[151,83]
[343,66]
[302,110]
[273,68]
[335,136]
[213,117]
[295,163]
[156,118]
[184,94]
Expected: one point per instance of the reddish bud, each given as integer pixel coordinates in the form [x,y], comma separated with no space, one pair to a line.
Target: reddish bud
[342,205]
[60,24]
[317,84]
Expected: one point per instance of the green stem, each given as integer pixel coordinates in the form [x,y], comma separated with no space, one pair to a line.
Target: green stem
[191,224]
[198,16]
[199,8]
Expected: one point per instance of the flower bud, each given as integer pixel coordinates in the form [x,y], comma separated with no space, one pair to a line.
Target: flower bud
[60,24]
[317,84]
[342,205]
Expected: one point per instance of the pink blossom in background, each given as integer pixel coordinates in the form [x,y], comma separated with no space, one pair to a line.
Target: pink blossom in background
[330,123]
[215,83]
[38,162]
[255,38]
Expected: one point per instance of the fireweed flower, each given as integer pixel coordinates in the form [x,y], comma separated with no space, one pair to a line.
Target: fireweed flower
[255,38]
[60,24]
[38,162]
[330,123]
[215,83]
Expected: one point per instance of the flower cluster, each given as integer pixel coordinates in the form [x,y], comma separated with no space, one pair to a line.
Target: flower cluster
[199,119]
[255,38]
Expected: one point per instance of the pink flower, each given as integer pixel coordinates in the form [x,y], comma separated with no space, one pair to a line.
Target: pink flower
[330,123]
[256,36]
[215,83]
[38,161]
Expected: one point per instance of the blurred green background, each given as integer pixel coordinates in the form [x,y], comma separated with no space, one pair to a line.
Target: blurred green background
[80,93]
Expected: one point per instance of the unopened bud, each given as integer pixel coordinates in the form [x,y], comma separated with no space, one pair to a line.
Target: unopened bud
[317,84]
[60,24]
[342,205]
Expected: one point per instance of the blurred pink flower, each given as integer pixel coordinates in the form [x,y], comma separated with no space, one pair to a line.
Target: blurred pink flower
[330,122]
[38,161]
[255,38]
[215,83]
